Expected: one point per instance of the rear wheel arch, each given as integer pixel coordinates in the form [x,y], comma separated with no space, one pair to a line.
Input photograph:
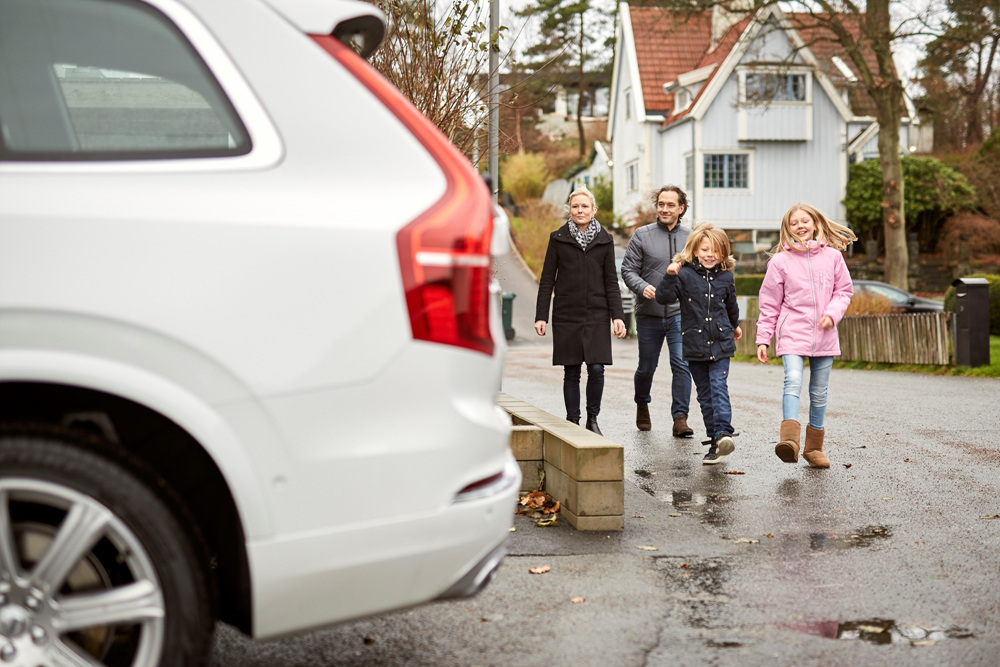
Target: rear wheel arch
[165,456]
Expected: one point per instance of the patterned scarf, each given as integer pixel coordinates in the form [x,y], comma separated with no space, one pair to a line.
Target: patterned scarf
[585,237]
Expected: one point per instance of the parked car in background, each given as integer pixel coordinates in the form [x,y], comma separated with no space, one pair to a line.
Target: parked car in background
[901,299]
[248,350]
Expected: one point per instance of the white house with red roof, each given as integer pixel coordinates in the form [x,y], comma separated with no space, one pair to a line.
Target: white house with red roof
[747,115]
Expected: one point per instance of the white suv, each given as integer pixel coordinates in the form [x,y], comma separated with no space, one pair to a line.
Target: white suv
[249,352]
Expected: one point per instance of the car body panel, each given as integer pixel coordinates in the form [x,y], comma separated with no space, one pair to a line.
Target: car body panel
[256,301]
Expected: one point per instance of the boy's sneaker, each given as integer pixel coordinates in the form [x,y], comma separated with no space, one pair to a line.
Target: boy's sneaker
[726,445]
[719,449]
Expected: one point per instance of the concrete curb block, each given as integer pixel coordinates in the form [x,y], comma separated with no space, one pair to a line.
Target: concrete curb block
[583,471]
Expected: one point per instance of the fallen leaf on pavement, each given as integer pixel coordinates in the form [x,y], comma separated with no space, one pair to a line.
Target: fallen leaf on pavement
[541,569]
[907,460]
[847,465]
[547,521]
[745,540]
[638,516]
[887,498]
[685,565]
[512,529]
[923,642]
[675,514]
[734,472]
[990,516]
[649,548]
[577,600]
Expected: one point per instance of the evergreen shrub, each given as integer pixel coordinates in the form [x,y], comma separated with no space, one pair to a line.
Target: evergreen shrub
[748,285]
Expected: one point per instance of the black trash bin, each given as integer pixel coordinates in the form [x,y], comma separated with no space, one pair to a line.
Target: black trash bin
[972,322]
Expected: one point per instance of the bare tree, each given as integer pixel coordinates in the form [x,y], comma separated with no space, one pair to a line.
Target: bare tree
[864,32]
[436,54]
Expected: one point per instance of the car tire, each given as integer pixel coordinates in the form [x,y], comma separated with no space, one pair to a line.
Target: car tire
[95,564]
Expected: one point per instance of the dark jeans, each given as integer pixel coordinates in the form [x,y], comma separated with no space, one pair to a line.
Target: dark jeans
[652,331]
[571,389]
[711,379]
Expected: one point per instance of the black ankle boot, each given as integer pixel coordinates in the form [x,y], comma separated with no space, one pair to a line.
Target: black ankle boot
[575,421]
[592,424]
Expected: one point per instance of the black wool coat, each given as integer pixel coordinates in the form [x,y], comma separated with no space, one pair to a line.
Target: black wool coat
[586,298]
[709,311]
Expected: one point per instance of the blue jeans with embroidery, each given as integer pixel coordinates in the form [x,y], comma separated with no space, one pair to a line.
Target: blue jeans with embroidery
[712,381]
[819,380]
[651,332]
[571,390]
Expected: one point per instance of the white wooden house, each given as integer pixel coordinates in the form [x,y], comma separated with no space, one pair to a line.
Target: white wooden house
[746,114]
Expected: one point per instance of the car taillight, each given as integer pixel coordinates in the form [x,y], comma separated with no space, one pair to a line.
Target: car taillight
[444,254]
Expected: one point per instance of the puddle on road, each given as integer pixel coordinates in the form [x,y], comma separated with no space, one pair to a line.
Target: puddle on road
[883,631]
[863,537]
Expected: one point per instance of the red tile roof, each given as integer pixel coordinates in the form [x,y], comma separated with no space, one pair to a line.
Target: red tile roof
[669,43]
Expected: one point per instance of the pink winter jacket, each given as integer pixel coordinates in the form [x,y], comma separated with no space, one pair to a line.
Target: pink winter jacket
[798,290]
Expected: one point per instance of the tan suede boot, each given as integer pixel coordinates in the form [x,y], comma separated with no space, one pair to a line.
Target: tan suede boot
[788,448]
[813,453]
[681,428]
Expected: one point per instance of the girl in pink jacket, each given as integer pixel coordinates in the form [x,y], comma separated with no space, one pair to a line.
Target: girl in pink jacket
[804,294]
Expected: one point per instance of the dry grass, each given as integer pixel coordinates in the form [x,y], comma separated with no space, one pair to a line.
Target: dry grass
[531,231]
[869,304]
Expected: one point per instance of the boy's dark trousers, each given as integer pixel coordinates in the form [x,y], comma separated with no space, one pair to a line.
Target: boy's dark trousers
[712,381]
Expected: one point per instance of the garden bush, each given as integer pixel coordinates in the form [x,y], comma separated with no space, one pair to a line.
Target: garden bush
[994,299]
[748,285]
[524,176]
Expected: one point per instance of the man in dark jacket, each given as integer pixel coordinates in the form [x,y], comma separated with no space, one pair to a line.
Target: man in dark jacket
[650,251]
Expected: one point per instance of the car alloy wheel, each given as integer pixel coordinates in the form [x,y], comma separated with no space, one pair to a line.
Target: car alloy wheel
[93,568]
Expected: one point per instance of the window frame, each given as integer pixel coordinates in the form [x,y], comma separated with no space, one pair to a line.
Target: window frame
[745,73]
[632,175]
[266,148]
[747,187]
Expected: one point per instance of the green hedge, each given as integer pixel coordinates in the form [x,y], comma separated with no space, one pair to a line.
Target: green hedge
[749,285]
[994,298]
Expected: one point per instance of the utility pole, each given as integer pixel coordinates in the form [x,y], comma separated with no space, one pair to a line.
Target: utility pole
[494,98]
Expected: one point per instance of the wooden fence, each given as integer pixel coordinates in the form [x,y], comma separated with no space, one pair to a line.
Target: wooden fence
[924,338]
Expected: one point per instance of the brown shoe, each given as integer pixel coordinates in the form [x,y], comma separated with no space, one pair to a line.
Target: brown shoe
[681,428]
[788,448]
[642,421]
[813,452]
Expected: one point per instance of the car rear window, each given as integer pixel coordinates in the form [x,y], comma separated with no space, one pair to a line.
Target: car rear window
[107,80]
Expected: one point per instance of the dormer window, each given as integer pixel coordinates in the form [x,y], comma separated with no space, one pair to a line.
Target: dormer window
[765,87]
[682,99]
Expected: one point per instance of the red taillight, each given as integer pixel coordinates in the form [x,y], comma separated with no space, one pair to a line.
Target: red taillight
[444,254]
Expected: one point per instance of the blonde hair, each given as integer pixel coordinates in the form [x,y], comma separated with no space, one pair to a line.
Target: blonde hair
[581,190]
[832,233]
[717,237]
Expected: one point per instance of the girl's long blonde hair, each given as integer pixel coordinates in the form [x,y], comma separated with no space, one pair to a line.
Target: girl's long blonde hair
[717,237]
[832,233]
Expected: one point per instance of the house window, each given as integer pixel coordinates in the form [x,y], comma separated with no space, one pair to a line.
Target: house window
[628,104]
[775,87]
[632,176]
[727,171]
[682,99]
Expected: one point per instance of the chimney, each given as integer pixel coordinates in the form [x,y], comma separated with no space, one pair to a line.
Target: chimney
[725,17]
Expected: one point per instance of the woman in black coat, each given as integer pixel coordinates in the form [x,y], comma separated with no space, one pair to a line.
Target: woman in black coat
[580,266]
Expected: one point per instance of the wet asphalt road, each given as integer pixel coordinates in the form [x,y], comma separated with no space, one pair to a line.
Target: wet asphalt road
[887,558]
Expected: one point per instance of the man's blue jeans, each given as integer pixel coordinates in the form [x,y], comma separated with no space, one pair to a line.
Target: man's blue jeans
[652,331]
[819,381]
[712,380]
